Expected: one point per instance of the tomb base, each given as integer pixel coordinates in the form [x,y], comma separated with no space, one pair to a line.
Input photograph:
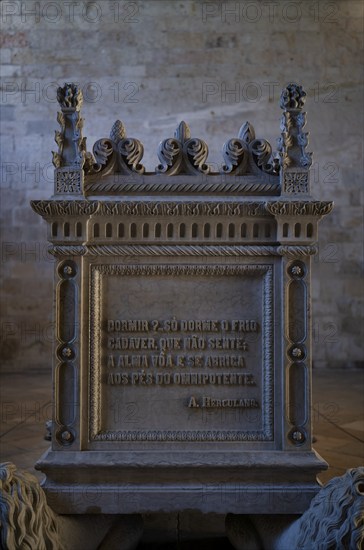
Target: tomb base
[144,482]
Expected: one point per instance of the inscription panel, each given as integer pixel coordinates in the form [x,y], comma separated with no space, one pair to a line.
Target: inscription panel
[181,352]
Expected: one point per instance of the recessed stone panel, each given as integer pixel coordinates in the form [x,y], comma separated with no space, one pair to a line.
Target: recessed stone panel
[182,352]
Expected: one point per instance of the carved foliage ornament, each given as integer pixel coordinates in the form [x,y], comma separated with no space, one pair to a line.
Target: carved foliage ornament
[181,209]
[141,208]
[181,154]
[117,154]
[245,154]
[69,97]
[298,208]
[64,208]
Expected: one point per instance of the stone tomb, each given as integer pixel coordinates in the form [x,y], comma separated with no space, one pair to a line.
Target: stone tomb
[182,362]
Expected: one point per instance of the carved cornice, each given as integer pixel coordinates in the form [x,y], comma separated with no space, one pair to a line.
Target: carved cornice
[139,208]
[56,208]
[299,208]
[53,208]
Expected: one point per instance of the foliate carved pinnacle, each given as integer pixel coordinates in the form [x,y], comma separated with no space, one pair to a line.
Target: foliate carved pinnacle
[182,154]
[117,131]
[295,160]
[70,157]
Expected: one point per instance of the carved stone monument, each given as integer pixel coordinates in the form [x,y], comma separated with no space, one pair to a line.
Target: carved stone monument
[182,363]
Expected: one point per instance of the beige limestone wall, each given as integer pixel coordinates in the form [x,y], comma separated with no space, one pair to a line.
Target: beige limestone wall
[153,63]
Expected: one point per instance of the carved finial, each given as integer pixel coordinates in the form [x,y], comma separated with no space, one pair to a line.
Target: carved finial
[183,132]
[182,154]
[117,131]
[292,97]
[69,97]
[246,133]
[70,157]
[294,159]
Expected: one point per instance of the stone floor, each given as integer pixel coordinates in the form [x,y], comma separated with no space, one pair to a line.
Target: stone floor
[338,419]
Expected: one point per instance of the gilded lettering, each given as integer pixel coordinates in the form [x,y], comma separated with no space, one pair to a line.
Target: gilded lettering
[222,361]
[244,325]
[170,343]
[193,403]
[132,343]
[135,325]
[227,344]
[211,402]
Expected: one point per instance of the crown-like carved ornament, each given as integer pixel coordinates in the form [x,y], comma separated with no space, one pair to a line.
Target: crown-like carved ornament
[249,160]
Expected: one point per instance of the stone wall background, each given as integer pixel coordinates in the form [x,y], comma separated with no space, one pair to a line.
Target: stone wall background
[151,64]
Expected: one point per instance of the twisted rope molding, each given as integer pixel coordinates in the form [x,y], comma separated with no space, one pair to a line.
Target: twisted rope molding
[181,250]
[291,250]
[67,250]
[191,187]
